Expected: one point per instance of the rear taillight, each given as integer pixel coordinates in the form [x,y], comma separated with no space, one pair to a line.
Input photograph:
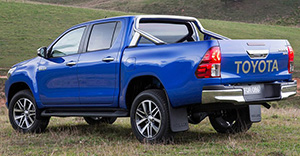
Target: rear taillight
[291,59]
[210,65]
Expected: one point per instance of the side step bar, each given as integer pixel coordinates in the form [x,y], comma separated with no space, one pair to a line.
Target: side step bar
[85,112]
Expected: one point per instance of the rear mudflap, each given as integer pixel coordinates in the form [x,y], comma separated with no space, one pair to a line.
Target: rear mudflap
[255,113]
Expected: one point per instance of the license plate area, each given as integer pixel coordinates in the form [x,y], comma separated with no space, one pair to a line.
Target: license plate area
[252,89]
[259,92]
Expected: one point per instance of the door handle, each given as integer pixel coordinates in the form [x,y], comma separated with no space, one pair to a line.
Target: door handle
[72,63]
[108,59]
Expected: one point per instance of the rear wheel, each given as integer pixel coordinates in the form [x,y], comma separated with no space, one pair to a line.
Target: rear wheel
[99,120]
[149,117]
[231,120]
[23,113]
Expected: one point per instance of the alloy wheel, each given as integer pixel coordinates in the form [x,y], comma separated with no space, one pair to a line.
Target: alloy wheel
[24,113]
[148,118]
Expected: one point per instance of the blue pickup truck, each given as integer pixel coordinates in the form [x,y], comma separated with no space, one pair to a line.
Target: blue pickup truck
[163,72]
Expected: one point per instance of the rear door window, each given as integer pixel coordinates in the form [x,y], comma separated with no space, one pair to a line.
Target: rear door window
[103,36]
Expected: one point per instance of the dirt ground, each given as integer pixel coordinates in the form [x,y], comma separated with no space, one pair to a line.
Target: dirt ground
[2,95]
[298,86]
[2,102]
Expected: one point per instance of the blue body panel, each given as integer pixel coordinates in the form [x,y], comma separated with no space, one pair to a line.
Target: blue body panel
[235,51]
[57,82]
[98,80]
[25,72]
[173,64]
[93,83]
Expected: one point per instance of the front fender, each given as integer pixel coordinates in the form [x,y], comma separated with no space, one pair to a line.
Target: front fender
[25,74]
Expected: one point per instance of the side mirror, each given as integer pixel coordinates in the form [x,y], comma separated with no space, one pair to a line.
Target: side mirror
[42,52]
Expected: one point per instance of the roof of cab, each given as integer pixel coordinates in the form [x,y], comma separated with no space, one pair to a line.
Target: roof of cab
[105,19]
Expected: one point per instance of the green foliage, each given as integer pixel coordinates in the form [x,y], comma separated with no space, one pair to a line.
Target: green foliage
[280,12]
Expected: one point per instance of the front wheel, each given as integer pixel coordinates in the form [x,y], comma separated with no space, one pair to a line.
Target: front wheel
[149,117]
[231,120]
[23,113]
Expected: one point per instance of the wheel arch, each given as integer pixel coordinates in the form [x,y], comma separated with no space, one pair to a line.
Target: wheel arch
[178,116]
[15,88]
[140,83]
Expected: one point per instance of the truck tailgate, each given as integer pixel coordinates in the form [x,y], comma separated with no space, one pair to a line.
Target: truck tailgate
[250,61]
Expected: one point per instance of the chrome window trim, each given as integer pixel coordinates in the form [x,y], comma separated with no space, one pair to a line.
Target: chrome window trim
[138,33]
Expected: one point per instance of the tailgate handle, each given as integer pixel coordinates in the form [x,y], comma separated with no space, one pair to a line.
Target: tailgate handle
[258,53]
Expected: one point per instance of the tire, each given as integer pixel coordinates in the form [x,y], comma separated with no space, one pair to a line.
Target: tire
[231,121]
[149,117]
[23,113]
[100,120]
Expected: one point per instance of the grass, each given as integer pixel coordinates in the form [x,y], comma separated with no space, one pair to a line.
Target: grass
[3,71]
[277,134]
[277,12]
[26,27]
[291,102]
[2,95]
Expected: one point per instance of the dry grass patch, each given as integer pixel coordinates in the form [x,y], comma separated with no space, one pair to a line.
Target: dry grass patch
[278,133]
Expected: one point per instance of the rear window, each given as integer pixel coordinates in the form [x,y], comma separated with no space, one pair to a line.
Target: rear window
[167,32]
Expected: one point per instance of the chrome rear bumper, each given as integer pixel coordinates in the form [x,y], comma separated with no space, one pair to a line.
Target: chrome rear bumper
[288,89]
[235,94]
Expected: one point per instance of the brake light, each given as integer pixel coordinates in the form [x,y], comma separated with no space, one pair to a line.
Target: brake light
[291,59]
[210,65]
